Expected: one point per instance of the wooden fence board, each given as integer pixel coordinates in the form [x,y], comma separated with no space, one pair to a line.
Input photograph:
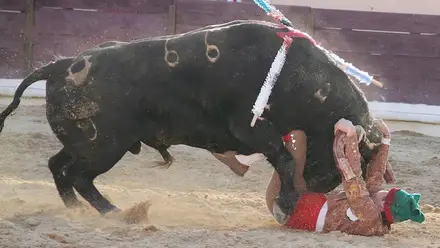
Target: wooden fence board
[137,6]
[376,21]
[11,44]
[19,5]
[199,14]
[405,89]
[301,17]
[412,98]
[183,28]
[394,64]
[12,23]
[402,96]
[76,31]
[383,43]
[121,26]
[11,64]
[223,1]
[208,13]
[431,92]
[48,46]
[413,84]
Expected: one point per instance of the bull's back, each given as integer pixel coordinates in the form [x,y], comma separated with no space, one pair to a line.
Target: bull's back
[208,68]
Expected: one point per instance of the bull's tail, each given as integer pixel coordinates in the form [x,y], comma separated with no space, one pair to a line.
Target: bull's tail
[44,73]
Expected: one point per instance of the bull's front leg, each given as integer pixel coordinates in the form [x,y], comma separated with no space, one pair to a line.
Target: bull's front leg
[264,138]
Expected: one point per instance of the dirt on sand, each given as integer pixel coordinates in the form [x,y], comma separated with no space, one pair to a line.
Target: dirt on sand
[197,202]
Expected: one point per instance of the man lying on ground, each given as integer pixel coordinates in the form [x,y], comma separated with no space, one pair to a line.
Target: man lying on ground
[361,208]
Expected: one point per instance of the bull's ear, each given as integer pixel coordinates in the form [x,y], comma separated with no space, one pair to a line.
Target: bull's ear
[374,134]
[367,149]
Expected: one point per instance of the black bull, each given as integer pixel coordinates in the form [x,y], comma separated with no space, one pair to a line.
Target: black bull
[174,90]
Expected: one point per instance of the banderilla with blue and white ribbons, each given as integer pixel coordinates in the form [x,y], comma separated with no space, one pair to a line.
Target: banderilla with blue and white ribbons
[361,76]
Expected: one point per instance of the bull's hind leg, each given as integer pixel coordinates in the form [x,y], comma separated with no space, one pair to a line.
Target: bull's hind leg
[83,183]
[84,171]
[95,149]
[57,165]
[167,157]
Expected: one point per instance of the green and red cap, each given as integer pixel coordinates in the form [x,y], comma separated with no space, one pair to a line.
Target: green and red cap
[400,206]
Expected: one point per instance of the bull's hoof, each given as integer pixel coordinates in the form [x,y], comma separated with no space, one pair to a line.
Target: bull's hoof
[163,164]
[284,207]
[74,204]
[109,210]
[279,215]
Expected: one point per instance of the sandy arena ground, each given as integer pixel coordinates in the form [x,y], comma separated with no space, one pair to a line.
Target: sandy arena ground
[197,202]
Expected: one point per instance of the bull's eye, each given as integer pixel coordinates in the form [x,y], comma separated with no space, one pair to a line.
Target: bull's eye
[322,93]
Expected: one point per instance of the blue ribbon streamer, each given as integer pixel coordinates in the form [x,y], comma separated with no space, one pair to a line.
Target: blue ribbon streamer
[264,5]
[361,76]
[268,8]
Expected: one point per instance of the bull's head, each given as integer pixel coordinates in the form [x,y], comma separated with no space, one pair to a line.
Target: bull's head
[310,77]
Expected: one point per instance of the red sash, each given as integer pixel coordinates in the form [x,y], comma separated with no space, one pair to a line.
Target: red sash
[306,212]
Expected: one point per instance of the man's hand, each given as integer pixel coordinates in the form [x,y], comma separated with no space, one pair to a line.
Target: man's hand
[383,128]
[345,126]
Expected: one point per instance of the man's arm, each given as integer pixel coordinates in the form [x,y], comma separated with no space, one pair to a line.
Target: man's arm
[297,146]
[347,156]
[376,171]
[298,150]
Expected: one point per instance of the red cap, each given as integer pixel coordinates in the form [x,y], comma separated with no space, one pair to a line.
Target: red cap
[387,205]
